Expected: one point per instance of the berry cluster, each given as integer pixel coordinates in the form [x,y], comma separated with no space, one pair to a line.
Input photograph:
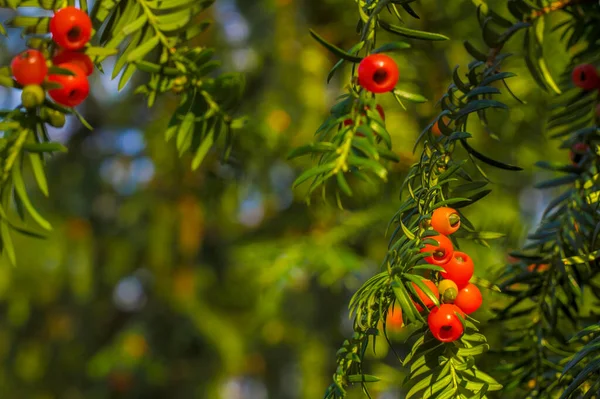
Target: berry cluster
[457,295]
[586,77]
[71,30]
[378,73]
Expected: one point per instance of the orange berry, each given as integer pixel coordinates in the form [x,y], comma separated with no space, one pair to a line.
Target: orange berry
[445,220]
[394,318]
[469,299]
[441,253]
[538,268]
[459,269]
[424,298]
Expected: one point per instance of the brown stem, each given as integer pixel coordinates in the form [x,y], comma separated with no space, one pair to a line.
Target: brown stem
[554,6]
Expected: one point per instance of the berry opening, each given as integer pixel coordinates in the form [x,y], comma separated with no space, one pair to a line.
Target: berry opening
[577,158]
[454,220]
[439,253]
[73,93]
[74,34]
[582,76]
[380,76]
[446,332]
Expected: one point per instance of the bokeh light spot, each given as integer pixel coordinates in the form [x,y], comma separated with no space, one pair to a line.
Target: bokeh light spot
[243,388]
[142,170]
[252,212]
[135,345]
[279,120]
[129,295]
[131,142]
[273,332]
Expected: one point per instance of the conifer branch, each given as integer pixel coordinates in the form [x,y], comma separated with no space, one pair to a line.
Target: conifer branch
[547,284]
[354,141]
[437,179]
[373,297]
[152,36]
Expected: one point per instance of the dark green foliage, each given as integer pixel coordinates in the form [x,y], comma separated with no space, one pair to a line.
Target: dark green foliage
[555,270]
[586,361]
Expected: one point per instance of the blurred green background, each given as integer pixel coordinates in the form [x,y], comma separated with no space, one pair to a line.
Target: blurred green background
[159,282]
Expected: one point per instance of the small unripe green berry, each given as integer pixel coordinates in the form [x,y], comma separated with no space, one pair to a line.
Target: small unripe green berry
[52,117]
[32,96]
[448,290]
[57,119]
[449,295]
[179,84]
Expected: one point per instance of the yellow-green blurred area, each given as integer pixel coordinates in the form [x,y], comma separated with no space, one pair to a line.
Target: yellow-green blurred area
[160,282]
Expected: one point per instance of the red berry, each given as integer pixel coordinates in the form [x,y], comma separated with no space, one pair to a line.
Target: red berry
[424,298]
[442,252]
[585,76]
[71,28]
[378,73]
[444,324]
[577,152]
[80,59]
[29,67]
[379,109]
[394,318]
[120,381]
[436,127]
[75,88]
[469,299]
[459,269]
[445,220]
